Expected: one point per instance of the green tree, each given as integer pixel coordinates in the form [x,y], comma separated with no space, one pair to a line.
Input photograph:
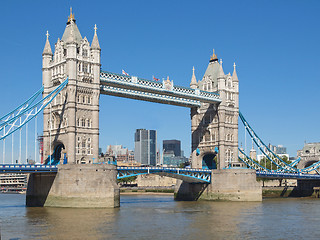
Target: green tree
[127,179]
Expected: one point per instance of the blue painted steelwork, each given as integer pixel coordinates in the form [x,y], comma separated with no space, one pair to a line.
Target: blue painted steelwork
[193,175]
[282,166]
[189,174]
[295,162]
[285,175]
[165,92]
[27,168]
[27,111]
[251,163]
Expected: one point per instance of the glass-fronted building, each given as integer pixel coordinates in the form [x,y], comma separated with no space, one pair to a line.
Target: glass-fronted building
[145,146]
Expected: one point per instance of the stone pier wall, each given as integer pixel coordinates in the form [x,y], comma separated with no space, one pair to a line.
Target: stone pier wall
[83,186]
[226,185]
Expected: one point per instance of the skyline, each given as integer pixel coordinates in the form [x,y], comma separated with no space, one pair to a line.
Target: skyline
[275,51]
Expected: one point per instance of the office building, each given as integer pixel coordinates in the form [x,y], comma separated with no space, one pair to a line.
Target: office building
[145,142]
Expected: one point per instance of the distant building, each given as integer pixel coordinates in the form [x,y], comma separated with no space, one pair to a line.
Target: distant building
[172,154]
[13,182]
[278,149]
[173,161]
[309,154]
[172,146]
[145,147]
[121,154]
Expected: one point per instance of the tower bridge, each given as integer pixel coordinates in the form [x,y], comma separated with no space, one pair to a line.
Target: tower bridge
[72,84]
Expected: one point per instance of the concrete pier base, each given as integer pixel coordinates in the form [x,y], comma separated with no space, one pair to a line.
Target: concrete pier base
[226,185]
[77,186]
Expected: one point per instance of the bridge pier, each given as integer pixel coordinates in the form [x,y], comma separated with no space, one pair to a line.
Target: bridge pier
[75,185]
[226,185]
[305,188]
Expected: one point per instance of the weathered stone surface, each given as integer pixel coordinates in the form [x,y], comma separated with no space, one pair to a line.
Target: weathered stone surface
[83,186]
[226,185]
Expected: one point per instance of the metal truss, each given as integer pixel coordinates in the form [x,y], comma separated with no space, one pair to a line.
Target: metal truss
[286,175]
[251,163]
[274,158]
[27,168]
[165,92]
[24,113]
[190,174]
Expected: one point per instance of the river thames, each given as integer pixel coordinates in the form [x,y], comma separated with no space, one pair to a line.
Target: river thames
[160,217]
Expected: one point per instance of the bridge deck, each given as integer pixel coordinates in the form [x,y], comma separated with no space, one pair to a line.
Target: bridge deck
[152,91]
[186,174]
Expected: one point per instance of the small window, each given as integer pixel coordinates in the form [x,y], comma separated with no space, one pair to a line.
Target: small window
[85,52]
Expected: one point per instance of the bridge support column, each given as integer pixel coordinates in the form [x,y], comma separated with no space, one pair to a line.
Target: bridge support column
[226,185]
[75,185]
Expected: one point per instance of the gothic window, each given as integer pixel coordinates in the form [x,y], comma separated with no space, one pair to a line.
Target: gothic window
[85,52]
[78,148]
[79,67]
[79,140]
[89,123]
[83,99]
[78,98]
[83,144]
[89,148]
[78,122]
[89,139]
[89,100]
[85,68]
[83,122]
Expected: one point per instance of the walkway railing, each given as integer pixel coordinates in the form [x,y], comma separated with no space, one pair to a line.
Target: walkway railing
[165,92]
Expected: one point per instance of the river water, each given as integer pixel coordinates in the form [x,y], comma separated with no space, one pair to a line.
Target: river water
[160,217]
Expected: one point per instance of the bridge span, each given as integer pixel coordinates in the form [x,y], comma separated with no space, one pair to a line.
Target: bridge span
[190,175]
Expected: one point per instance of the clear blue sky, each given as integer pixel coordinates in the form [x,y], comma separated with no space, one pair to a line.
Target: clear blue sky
[275,45]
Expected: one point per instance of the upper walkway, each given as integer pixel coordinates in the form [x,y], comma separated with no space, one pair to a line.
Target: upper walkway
[154,91]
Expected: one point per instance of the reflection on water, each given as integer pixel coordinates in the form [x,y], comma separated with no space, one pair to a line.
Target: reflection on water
[159,217]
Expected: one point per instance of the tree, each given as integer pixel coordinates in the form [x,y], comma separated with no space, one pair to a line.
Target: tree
[127,179]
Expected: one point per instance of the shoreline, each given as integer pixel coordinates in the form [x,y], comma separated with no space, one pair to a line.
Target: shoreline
[145,193]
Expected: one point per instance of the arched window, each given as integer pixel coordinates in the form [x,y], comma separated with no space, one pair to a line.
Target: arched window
[83,122]
[89,148]
[78,122]
[88,123]
[83,99]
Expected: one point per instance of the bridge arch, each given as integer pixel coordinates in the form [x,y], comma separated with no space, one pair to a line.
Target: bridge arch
[208,160]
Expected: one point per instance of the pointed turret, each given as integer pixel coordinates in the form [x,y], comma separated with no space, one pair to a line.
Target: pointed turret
[47,48]
[212,72]
[193,83]
[95,42]
[221,73]
[71,33]
[234,75]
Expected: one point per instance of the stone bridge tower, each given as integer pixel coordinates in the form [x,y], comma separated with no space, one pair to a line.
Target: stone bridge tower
[71,121]
[215,127]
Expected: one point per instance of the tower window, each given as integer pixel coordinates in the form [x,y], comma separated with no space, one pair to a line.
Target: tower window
[85,52]
[83,122]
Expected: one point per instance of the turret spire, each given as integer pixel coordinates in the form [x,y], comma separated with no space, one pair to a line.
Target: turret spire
[95,42]
[234,74]
[221,73]
[71,17]
[193,83]
[47,48]
[213,57]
